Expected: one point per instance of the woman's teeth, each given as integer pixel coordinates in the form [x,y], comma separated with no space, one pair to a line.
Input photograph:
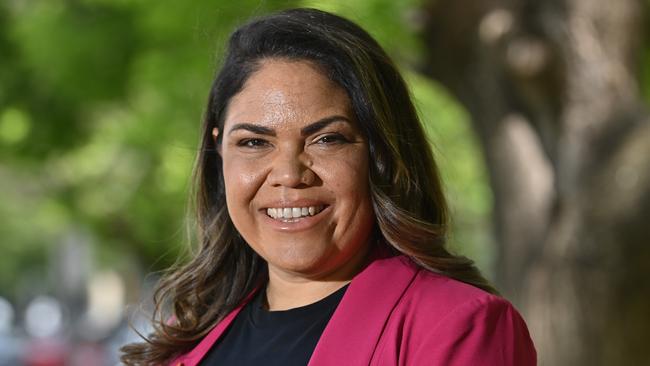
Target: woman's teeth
[286,213]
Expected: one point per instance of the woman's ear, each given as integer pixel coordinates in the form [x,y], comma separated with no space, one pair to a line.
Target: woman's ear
[215,135]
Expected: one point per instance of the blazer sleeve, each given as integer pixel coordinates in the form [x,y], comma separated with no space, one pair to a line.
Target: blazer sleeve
[484,331]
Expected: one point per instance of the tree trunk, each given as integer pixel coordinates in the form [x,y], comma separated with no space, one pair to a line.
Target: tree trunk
[553,90]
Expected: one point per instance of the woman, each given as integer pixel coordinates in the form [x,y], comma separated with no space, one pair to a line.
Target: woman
[321,220]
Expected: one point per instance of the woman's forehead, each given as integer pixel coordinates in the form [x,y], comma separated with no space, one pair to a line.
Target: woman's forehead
[284,91]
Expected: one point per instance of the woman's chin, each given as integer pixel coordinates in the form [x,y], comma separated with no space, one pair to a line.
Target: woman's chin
[314,265]
[306,266]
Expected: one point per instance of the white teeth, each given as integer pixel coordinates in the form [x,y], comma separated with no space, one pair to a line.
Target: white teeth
[288,213]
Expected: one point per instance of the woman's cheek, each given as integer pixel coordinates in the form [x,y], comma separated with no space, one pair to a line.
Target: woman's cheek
[243,174]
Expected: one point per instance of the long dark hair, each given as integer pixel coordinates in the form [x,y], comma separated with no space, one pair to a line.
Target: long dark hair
[406,190]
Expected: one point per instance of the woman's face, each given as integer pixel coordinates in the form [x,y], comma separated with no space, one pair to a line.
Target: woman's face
[295,167]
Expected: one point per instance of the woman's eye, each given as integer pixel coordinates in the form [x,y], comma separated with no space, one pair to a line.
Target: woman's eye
[252,143]
[332,139]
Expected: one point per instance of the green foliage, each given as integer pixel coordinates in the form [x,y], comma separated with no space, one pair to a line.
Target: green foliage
[392,23]
[100,106]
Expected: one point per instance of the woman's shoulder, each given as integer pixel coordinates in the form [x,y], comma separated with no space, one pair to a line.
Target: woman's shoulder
[433,298]
[434,288]
[457,323]
[445,293]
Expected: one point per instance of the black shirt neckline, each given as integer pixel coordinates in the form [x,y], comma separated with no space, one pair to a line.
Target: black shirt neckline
[260,317]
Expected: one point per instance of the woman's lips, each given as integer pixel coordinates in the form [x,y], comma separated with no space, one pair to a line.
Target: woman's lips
[289,224]
[289,213]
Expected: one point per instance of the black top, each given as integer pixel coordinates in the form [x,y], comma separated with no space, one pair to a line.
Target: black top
[261,337]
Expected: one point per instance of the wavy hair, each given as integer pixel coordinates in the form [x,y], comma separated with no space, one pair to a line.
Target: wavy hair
[405,186]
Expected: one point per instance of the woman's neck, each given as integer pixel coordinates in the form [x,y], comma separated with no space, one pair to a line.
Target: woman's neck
[288,290]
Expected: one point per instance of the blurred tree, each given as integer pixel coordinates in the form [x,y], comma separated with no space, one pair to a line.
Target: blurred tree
[553,88]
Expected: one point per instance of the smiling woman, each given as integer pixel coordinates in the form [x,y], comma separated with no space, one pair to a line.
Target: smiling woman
[304,153]
[322,223]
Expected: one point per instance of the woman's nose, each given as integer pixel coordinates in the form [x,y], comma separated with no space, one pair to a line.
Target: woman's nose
[291,170]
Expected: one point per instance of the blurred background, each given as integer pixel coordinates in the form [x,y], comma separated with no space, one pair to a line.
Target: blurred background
[536,111]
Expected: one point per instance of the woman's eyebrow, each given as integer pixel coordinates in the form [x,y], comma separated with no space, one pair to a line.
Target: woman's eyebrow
[322,123]
[305,131]
[261,130]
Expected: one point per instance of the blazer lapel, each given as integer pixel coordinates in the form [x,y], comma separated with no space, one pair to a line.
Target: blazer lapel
[356,326]
[195,356]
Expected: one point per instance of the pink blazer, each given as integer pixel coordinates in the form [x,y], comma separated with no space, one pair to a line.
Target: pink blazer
[396,313]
